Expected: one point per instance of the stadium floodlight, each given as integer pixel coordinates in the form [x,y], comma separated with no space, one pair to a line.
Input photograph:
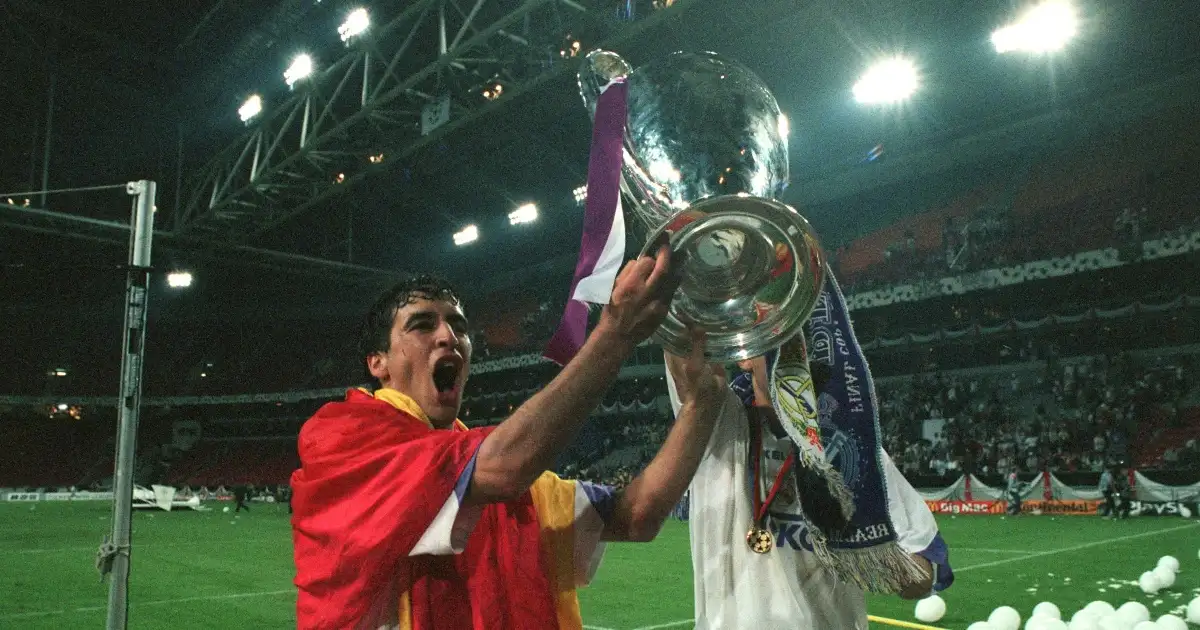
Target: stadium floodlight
[179,279]
[580,194]
[301,67]
[469,234]
[63,406]
[1043,29]
[526,213]
[888,81]
[251,108]
[355,24]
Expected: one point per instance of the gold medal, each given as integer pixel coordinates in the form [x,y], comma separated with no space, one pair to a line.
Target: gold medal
[760,540]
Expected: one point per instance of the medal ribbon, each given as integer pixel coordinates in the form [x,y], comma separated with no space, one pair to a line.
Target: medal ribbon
[759,504]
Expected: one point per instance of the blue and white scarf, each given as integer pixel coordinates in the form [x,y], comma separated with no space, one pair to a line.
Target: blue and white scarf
[837,438]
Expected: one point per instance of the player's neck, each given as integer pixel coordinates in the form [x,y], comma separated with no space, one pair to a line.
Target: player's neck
[441,424]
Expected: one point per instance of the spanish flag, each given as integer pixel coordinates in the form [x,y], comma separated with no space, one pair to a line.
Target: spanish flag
[382,538]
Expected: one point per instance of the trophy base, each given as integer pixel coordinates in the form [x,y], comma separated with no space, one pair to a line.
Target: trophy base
[751,277]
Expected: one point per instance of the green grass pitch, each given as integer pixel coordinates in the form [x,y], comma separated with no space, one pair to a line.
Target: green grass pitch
[210,570]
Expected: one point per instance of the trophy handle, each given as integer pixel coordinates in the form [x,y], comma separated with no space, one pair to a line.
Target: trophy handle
[600,68]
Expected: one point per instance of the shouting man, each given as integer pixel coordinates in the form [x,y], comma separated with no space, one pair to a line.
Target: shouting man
[404,518]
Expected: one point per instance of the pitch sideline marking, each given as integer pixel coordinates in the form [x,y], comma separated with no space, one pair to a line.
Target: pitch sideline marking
[1095,543]
[669,624]
[987,550]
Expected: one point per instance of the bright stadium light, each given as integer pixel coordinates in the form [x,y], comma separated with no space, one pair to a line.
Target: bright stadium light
[580,194]
[355,24]
[251,108]
[179,279]
[301,67]
[526,213]
[469,234]
[1043,29]
[888,81]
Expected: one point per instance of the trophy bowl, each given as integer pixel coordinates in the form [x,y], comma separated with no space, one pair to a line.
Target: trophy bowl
[705,159]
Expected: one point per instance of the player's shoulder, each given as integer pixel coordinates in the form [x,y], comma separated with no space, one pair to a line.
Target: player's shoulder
[357,406]
[359,417]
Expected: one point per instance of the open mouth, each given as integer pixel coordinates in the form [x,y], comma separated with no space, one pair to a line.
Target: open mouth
[445,375]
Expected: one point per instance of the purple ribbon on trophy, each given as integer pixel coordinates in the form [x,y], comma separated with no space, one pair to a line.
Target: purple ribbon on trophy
[602,249]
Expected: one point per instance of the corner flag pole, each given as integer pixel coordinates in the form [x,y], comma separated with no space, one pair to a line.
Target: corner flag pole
[116,548]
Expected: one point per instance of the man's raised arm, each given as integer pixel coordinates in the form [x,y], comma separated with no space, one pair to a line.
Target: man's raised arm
[526,444]
[643,506]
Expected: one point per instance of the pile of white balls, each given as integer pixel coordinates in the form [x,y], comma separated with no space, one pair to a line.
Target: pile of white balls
[1098,615]
[1162,576]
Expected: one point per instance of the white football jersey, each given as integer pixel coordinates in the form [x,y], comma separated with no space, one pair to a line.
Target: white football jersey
[786,588]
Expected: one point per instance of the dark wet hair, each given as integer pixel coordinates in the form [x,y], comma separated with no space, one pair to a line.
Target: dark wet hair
[375,335]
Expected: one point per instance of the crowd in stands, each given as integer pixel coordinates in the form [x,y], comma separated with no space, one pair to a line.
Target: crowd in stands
[623,434]
[1080,415]
[1063,415]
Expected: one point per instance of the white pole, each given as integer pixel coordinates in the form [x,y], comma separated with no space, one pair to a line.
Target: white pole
[136,293]
[49,138]
[304,125]
[366,76]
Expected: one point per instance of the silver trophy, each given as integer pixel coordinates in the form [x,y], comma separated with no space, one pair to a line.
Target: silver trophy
[705,160]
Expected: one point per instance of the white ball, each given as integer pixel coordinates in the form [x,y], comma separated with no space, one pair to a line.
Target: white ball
[226,509]
[1193,611]
[1165,576]
[1084,620]
[1049,623]
[1100,609]
[1133,613]
[1149,582]
[930,609]
[1171,622]
[981,625]
[1047,609]
[1113,622]
[1171,562]
[1184,511]
[1005,618]
[1037,623]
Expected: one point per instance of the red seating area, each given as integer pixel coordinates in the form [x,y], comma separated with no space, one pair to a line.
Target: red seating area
[46,452]
[867,253]
[236,462]
[1166,436]
[1066,203]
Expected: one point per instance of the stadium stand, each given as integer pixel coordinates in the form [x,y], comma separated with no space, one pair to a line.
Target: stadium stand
[1060,375]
